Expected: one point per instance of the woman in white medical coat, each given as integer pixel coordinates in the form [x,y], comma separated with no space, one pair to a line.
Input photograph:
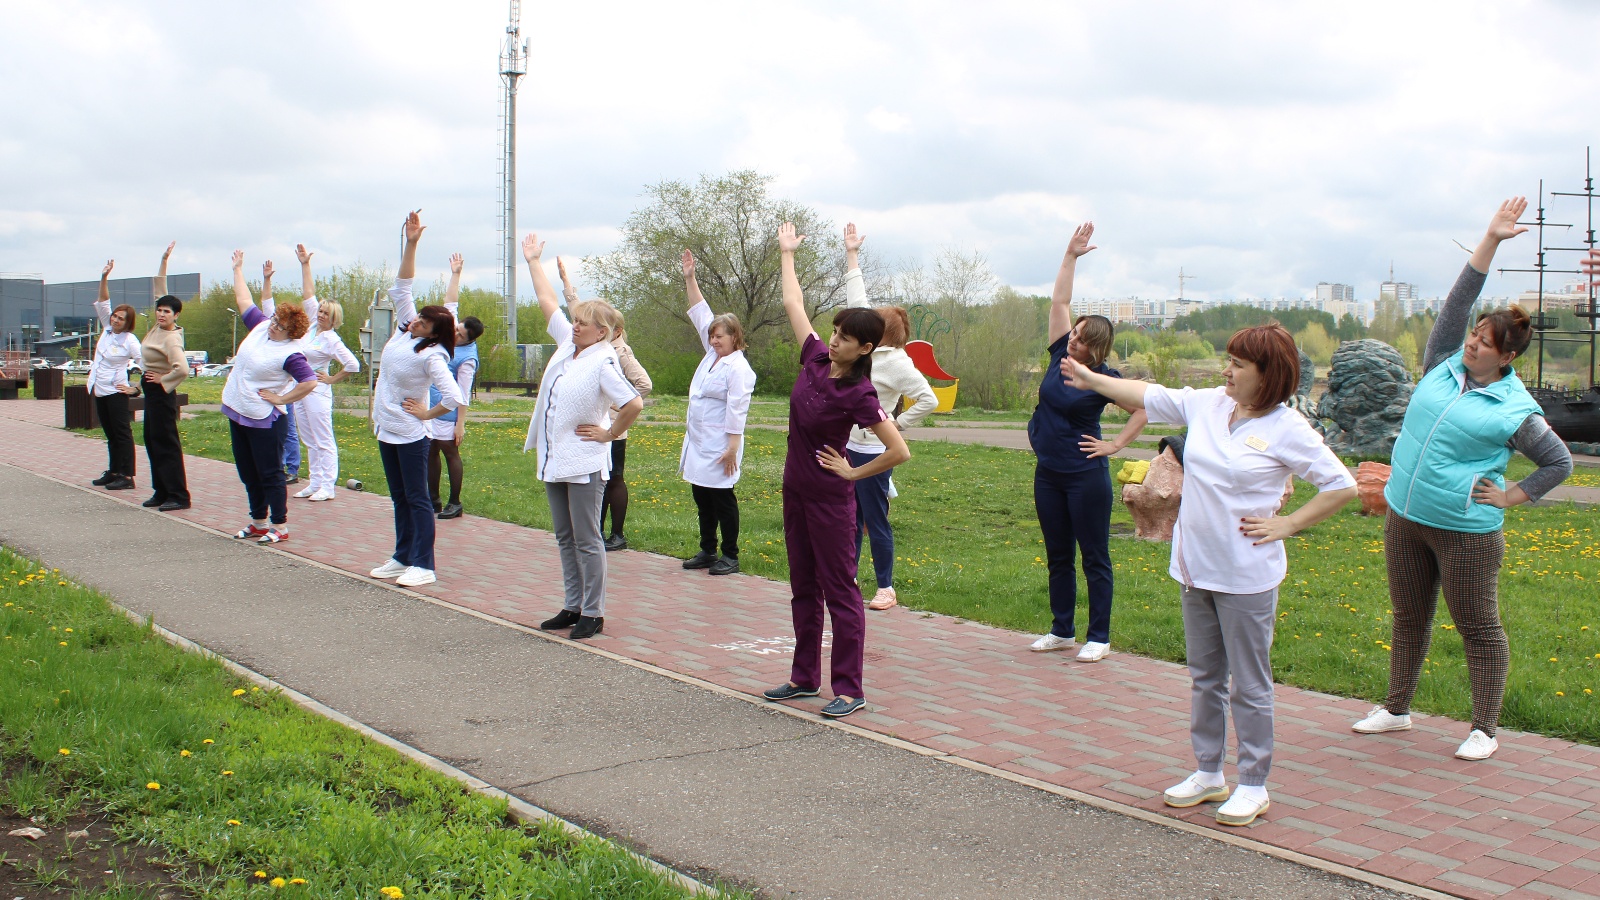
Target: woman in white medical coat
[713,442]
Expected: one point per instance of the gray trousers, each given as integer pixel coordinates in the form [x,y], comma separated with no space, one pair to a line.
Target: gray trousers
[1231,634]
[575,515]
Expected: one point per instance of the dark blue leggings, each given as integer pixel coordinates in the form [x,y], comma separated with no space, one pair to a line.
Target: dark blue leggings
[1075,515]
[872,516]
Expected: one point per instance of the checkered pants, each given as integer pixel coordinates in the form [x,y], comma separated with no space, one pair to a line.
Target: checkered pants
[1421,560]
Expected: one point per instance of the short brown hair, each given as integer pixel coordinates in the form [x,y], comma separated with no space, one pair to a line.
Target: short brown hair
[129,315]
[896,325]
[1271,349]
[1096,334]
[292,319]
[731,326]
[1511,327]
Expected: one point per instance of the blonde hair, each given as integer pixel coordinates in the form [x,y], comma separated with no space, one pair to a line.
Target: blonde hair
[335,312]
[602,314]
[730,325]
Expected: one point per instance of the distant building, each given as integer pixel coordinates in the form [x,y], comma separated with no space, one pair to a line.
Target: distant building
[45,318]
[1335,293]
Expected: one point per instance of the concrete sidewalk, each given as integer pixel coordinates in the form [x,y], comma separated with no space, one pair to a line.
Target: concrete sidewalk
[699,778]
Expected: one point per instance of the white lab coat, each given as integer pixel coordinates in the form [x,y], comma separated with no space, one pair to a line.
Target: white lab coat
[719,403]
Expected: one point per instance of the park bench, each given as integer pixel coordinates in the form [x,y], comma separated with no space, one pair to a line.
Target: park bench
[81,412]
[10,386]
[526,387]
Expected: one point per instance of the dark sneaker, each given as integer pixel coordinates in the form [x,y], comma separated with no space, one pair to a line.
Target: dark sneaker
[121,484]
[105,478]
[788,691]
[450,511]
[564,619]
[587,627]
[616,542]
[291,478]
[172,506]
[726,565]
[701,560]
[839,707]
[154,501]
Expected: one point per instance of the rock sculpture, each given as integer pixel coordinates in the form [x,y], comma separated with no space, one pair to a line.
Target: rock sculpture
[1153,503]
[1368,389]
[1371,478]
[1301,402]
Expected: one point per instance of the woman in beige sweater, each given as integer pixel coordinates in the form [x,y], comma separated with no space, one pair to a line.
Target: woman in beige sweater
[165,367]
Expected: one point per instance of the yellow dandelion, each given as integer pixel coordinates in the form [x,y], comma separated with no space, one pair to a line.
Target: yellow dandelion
[154,786]
[185,754]
[297,881]
[69,631]
[64,752]
[208,741]
[232,822]
[1561,693]
[1552,659]
[61,643]
[278,882]
[238,692]
[260,874]
[393,893]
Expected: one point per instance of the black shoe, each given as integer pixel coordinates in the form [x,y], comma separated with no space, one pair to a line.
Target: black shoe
[291,478]
[787,691]
[437,507]
[564,619]
[121,484]
[450,511]
[154,501]
[726,565]
[839,707]
[172,506]
[701,560]
[105,478]
[616,542]
[587,627]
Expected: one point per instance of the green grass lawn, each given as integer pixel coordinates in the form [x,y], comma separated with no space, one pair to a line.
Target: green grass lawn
[968,545]
[237,787]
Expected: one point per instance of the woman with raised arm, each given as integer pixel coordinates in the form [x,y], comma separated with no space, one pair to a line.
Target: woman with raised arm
[1447,493]
[713,437]
[832,394]
[1227,548]
[895,378]
[570,429]
[415,358]
[165,367]
[450,429]
[313,415]
[108,384]
[616,498]
[269,373]
[291,427]
[1072,476]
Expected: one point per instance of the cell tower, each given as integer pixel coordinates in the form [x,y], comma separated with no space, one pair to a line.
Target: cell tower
[513,65]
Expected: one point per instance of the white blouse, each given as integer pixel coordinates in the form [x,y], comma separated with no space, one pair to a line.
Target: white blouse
[403,372]
[719,404]
[1231,473]
[112,353]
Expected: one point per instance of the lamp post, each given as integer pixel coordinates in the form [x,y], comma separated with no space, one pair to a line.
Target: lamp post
[374,334]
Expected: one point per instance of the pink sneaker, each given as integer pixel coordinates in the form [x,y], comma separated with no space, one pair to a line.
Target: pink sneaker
[883,599]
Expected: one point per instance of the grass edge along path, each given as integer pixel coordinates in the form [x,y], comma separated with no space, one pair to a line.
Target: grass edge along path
[244,790]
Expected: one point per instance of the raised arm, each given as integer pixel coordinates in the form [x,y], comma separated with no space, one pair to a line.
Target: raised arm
[794,302]
[855,288]
[569,291]
[159,286]
[1450,330]
[532,251]
[102,303]
[408,257]
[405,303]
[691,284]
[452,293]
[308,283]
[241,291]
[268,305]
[1061,296]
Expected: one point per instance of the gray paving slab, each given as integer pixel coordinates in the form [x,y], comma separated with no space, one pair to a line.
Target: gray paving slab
[709,784]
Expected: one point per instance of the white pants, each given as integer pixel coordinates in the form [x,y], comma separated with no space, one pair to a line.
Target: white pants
[313,416]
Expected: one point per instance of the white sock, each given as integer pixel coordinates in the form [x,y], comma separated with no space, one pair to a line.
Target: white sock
[1255,793]
[259,523]
[1209,779]
[284,528]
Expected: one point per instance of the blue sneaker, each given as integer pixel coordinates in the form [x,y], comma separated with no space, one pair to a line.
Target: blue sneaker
[787,691]
[839,707]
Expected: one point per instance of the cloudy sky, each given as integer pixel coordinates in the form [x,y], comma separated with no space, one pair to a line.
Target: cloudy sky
[1262,146]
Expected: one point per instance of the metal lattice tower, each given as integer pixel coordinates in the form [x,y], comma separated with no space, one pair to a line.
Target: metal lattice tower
[513,65]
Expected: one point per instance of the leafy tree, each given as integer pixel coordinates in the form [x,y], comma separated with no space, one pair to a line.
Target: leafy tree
[1317,343]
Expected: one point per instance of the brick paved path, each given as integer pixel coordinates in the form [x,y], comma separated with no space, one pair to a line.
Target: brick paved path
[1523,824]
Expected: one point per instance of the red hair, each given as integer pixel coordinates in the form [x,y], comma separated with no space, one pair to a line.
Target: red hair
[130,317]
[1271,348]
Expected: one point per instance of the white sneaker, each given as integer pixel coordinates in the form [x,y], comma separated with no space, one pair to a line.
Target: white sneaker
[1190,792]
[1094,651]
[1380,720]
[415,577]
[1242,809]
[1051,642]
[323,494]
[1477,746]
[390,569]
[306,492]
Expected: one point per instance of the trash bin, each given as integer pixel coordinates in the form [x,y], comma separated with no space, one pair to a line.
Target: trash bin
[80,407]
[47,384]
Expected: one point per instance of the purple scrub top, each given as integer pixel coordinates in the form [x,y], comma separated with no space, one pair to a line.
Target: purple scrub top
[822,411]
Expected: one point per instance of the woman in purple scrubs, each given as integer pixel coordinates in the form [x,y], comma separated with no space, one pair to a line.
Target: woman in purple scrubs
[833,392]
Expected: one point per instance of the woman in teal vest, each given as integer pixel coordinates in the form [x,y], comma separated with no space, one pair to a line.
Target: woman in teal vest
[1447,494]
[450,429]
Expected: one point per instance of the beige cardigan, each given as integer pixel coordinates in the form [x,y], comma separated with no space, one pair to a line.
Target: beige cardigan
[631,370]
[163,354]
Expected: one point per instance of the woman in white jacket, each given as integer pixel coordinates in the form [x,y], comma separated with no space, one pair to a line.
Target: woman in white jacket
[314,413]
[108,384]
[713,438]
[895,377]
[572,430]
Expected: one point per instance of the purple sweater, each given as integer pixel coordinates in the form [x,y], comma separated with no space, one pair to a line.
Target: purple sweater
[295,365]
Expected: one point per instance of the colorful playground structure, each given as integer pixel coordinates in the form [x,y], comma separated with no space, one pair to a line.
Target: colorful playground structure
[921,353]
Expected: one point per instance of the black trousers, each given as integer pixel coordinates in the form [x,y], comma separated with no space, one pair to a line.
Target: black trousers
[718,506]
[117,422]
[162,444]
[258,455]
